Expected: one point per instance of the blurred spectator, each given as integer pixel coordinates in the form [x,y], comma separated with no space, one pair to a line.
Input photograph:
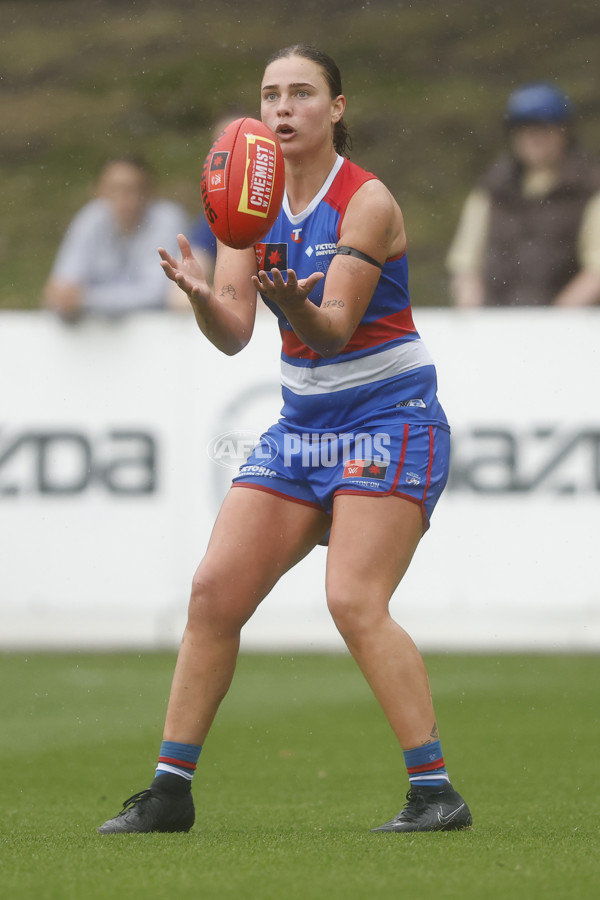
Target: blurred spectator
[107,262]
[529,233]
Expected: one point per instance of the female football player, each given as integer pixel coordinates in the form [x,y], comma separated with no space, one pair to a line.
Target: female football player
[356,374]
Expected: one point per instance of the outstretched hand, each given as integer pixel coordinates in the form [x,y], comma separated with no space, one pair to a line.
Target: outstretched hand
[290,294]
[187,273]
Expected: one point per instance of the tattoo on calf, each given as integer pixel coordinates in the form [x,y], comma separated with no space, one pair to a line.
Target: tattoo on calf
[434,735]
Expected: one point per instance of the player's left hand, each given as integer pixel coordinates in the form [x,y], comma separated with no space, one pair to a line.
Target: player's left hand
[288,294]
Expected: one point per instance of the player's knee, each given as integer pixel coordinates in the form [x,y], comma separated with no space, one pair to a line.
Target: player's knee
[206,607]
[216,603]
[352,608]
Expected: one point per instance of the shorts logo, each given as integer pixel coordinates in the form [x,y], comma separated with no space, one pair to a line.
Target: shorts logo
[261,471]
[216,171]
[416,402]
[357,468]
[271,256]
[413,478]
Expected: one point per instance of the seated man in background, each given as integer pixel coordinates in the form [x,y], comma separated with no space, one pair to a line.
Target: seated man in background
[529,233]
[107,262]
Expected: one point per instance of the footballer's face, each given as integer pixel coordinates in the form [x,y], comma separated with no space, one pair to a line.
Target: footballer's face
[296,104]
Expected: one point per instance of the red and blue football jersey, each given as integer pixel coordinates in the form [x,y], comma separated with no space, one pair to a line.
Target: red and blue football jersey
[385,369]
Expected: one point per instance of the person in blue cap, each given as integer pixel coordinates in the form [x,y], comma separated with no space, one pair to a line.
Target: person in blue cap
[529,232]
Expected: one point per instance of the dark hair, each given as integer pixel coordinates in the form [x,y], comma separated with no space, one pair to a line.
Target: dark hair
[341,136]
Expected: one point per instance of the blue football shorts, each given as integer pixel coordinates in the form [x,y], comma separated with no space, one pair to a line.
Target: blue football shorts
[410,461]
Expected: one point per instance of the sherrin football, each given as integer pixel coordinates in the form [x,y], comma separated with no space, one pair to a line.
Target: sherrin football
[242,183]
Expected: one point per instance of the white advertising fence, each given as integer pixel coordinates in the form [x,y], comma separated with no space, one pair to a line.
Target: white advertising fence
[118,441]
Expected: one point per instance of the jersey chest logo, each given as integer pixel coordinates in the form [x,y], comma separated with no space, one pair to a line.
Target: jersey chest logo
[271,256]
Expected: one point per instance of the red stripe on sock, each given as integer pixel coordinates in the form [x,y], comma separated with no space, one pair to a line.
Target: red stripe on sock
[177,762]
[428,767]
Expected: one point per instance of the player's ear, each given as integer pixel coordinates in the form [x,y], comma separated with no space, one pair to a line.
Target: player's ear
[338,107]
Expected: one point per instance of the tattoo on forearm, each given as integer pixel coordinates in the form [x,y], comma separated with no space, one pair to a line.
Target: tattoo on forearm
[339,303]
[228,291]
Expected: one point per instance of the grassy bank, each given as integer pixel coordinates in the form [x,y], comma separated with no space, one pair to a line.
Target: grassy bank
[426,85]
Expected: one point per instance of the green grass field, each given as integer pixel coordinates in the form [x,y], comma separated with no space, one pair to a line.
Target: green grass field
[299,766]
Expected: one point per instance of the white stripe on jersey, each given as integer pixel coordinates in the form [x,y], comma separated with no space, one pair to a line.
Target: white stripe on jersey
[353,373]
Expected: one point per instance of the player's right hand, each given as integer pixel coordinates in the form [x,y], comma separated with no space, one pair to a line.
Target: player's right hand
[187,272]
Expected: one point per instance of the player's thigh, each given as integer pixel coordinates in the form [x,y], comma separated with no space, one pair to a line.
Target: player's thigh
[372,542]
[257,537]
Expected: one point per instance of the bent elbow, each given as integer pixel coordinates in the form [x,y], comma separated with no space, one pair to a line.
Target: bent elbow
[233,350]
[333,345]
[235,345]
[332,349]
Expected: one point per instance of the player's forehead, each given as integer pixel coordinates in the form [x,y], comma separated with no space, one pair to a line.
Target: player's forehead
[293,70]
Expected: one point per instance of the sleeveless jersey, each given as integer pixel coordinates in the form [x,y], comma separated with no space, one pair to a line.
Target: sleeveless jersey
[384,373]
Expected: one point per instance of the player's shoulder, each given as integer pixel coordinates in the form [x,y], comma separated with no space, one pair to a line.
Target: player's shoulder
[373,215]
[356,189]
[364,184]
[350,176]
[373,198]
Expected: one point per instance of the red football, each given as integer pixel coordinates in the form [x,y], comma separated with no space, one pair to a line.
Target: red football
[242,183]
